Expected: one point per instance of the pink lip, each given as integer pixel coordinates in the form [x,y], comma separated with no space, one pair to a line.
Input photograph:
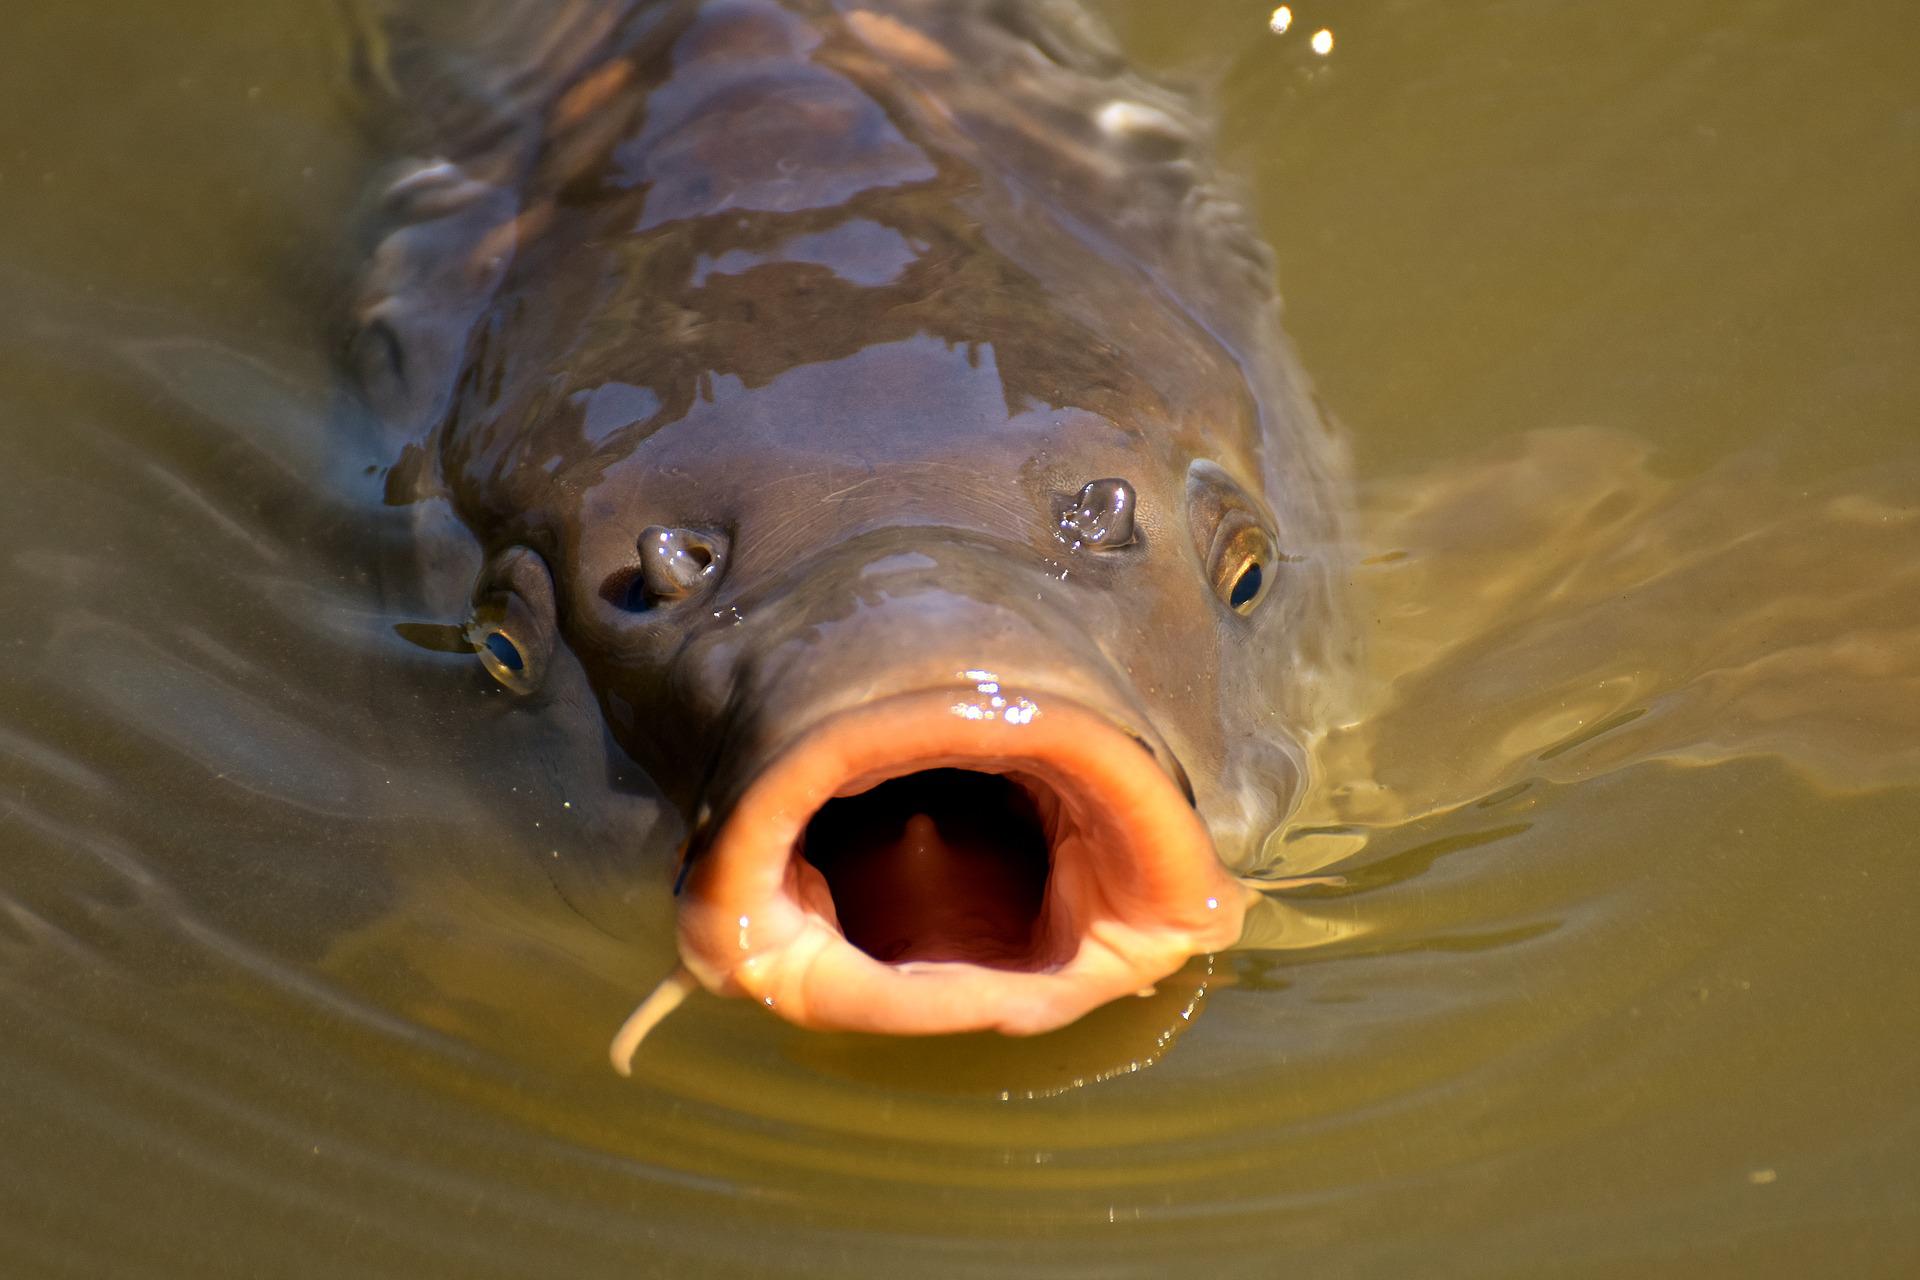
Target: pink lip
[1133,888]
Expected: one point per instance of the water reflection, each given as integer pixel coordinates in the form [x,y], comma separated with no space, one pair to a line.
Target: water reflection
[1565,611]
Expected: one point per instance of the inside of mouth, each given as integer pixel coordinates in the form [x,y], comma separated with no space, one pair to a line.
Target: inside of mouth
[943,864]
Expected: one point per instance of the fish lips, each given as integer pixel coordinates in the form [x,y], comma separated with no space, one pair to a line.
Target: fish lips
[1132,886]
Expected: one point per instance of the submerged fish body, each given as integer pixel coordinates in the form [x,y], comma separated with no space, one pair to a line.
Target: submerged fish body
[886,406]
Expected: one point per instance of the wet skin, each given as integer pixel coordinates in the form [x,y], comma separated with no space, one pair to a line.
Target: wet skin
[798,363]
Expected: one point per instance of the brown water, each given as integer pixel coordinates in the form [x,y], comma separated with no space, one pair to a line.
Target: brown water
[300,964]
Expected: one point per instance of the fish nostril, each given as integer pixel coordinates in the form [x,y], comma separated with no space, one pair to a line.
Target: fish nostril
[674,564]
[1100,517]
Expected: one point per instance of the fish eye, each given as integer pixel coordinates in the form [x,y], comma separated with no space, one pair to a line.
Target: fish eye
[1246,587]
[1242,563]
[512,628]
[1232,535]
[504,657]
[505,653]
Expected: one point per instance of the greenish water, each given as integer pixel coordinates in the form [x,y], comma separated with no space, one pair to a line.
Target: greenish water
[297,971]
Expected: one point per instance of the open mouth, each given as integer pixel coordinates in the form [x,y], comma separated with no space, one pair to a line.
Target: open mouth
[945,862]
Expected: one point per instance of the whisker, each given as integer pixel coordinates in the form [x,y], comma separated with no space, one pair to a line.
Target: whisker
[651,1012]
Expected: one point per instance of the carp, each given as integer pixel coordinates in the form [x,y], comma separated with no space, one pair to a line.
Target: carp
[884,402]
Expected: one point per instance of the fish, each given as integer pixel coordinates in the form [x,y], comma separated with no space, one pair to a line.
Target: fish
[884,403]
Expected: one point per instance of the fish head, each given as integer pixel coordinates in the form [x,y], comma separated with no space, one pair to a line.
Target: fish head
[911,458]
[964,693]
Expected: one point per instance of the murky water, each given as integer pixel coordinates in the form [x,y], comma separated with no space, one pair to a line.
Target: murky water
[309,947]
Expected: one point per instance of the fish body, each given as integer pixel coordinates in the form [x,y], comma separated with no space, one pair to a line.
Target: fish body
[885,404]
